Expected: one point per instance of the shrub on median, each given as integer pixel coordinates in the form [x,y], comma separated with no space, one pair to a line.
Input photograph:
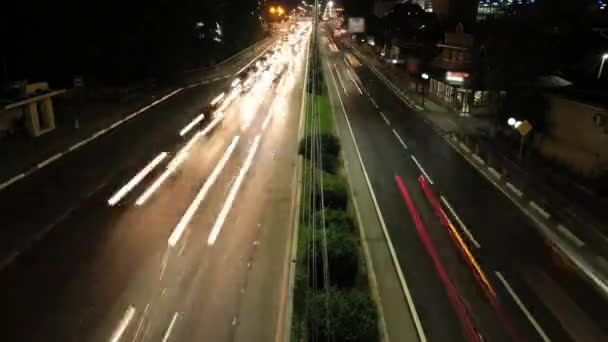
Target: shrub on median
[353,316]
[335,219]
[330,150]
[342,258]
[335,194]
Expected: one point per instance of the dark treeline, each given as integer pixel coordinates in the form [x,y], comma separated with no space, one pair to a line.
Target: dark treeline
[118,42]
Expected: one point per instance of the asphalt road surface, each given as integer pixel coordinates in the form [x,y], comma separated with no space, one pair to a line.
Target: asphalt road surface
[394,140]
[130,272]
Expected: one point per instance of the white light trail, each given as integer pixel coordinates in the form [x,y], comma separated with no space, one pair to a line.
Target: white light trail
[193,123]
[124,323]
[267,120]
[217,99]
[216,120]
[173,164]
[219,222]
[170,328]
[136,180]
[185,220]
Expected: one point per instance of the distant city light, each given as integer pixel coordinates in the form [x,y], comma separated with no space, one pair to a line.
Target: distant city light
[425,76]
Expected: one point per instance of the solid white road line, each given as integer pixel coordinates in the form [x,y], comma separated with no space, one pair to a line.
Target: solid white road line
[136,180]
[400,140]
[385,119]
[460,223]
[124,323]
[217,99]
[49,160]
[421,169]
[566,232]
[352,78]
[340,79]
[404,286]
[193,123]
[185,220]
[12,180]
[170,328]
[514,189]
[219,221]
[540,210]
[523,308]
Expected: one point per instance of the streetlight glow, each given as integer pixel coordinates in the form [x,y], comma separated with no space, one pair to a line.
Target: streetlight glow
[516,124]
[605,56]
[511,121]
[425,76]
[272,9]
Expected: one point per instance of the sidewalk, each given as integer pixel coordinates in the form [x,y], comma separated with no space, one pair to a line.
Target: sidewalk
[575,205]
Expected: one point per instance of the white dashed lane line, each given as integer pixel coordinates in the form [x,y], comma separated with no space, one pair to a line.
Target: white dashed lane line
[385,119]
[422,169]
[400,140]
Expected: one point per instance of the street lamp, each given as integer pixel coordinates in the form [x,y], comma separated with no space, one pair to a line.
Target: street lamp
[511,122]
[425,77]
[599,73]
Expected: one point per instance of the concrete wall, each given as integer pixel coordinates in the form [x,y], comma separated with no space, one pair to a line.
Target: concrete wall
[576,140]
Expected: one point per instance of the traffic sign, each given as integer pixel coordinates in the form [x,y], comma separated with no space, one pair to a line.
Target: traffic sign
[524,127]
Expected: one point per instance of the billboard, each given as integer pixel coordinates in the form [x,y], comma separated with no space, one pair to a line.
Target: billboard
[356,25]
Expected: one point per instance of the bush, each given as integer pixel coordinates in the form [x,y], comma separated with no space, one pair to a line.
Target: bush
[353,316]
[342,258]
[335,219]
[335,194]
[330,150]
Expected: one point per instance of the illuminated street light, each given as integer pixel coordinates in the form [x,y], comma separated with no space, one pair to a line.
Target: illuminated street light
[280,10]
[511,122]
[516,124]
[599,73]
[425,76]
[330,3]
[272,9]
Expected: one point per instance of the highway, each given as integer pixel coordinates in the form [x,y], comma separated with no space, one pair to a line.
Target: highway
[393,141]
[201,257]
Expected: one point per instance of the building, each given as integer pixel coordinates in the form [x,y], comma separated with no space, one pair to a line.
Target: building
[383,7]
[489,9]
[452,12]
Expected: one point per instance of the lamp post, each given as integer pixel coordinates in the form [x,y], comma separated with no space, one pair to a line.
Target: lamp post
[425,77]
[523,127]
[599,73]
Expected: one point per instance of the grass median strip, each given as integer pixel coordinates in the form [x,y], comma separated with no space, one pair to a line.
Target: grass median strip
[332,295]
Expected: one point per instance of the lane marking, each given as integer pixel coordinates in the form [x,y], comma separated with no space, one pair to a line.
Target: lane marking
[478,158]
[404,286]
[514,189]
[454,297]
[74,147]
[12,180]
[374,102]
[340,79]
[494,172]
[421,169]
[565,231]
[219,221]
[200,196]
[523,308]
[400,140]
[192,123]
[354,82]
[118,195]
[464,147]
[460,222]
[385,119]
[170,328]
[540,210]
[124,323]
[49,160]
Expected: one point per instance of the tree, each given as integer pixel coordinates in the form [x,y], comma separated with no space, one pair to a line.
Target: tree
[353,316]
